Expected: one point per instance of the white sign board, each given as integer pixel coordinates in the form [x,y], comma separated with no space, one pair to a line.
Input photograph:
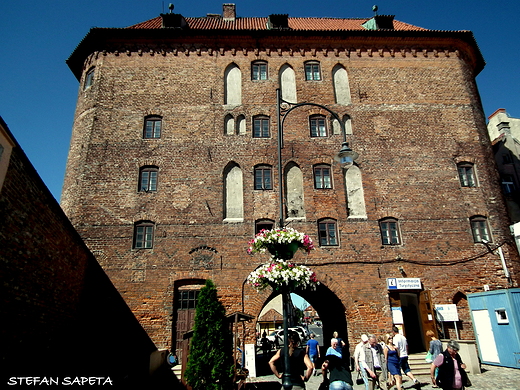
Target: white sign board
[397,315]
[404,283]
[447,313]
[250,357]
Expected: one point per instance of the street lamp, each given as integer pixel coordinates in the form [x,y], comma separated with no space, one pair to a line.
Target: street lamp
[346,157]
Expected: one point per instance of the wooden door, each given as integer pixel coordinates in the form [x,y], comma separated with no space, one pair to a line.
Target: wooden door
[427,316]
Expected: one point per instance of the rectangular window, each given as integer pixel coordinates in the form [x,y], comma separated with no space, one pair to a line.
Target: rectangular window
[327,233]
[466,176]
[389,232]
[259,71]
[508,185]
[152,128]
[322,177]
[261,127]
[143,237]
[312,71]
[263,178]
[318,128]
[89,79]
[187,299]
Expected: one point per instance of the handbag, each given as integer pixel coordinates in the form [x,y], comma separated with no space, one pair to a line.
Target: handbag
[359,379]
[429,357]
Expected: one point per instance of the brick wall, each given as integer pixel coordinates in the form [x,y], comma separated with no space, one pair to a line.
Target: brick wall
[61,315]
[414,115]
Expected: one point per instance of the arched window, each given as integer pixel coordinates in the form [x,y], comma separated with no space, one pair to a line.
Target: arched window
[341,85]
[328,232]
[288,84]
[263,224]
[148,176]
[466,174]
[143,235]
[229,125]
[294,192]
[480,229]
[390,231]
[241,125]
[152,127]
[355,193]
[233,85]
[233,194]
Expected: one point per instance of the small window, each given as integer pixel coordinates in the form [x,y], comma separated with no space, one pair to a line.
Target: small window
[479,228]
[318,126]
[152,127]
[312,71]
[261,127]
[263,179]
[466,175]
[89,79]
[502,316]
[143,235]
[390,231]
[507,158]
[259,70]
[327,232]
[322,177]
[187,299]
[148,179]
[263,224]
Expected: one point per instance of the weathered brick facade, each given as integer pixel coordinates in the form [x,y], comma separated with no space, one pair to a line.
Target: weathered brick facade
[415,113]
[61,315]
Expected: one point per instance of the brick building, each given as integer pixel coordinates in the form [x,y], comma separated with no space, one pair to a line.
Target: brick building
[173,167]
[61,315]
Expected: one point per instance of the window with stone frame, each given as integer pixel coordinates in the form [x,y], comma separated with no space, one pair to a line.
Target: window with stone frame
[318,126]
[322,176]
[466,174]
[390,234]
[152,127]
[312,71]
[480,229]
[148,176]
[263,177]
[328,232]
[143,235]
[261,127]
[259,70]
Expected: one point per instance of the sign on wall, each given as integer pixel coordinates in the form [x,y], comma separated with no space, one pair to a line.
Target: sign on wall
[447,313]
[404,283]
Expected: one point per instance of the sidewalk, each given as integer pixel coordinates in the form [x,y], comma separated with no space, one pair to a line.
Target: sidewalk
[492,377]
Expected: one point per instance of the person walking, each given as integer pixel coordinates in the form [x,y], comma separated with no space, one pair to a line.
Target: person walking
[451,374]
[372,359]
[313,350]
[435,348]
[357,352]
[333,349]
[392,361]
[402,345]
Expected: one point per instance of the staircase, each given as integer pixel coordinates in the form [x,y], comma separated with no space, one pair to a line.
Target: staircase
[418,364]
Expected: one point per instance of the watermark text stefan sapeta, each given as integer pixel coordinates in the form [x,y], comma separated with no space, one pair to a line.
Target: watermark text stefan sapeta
[60,381]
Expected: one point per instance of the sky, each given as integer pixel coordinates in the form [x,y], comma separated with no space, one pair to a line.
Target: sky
[38,91]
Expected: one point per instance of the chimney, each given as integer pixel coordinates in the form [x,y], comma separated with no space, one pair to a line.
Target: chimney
[229,13]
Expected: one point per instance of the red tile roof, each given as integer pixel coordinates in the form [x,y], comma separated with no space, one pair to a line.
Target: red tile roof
[297,24]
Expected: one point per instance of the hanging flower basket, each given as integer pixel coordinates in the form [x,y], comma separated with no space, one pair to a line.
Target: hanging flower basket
[281,243]
[279,274]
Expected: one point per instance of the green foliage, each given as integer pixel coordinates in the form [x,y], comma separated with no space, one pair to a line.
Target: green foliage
[210,360]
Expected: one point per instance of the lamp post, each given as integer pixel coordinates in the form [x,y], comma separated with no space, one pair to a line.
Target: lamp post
[345,157]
